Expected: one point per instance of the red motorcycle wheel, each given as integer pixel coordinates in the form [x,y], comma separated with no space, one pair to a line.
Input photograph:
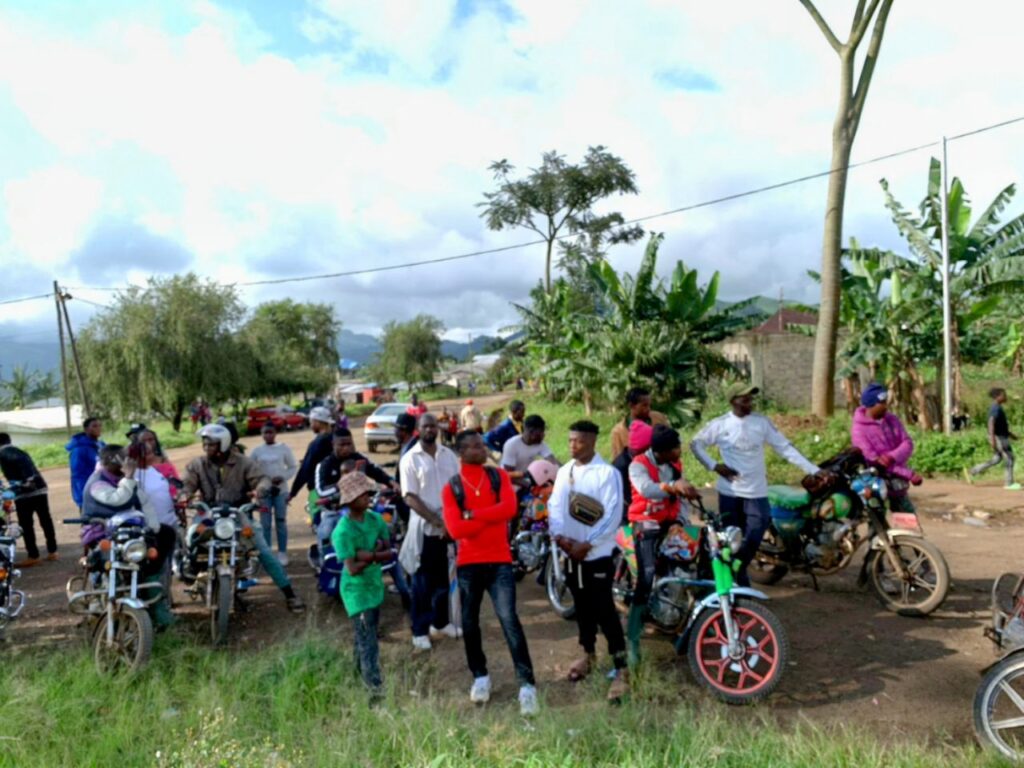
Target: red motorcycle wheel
[758,671]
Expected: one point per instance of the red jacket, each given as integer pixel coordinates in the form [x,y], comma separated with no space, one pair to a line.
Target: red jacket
[484,537]
[658,510]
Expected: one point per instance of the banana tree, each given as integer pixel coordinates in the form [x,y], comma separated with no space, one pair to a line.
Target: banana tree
[986,257]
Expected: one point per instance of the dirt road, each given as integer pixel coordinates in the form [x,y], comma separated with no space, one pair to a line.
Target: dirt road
[852,662]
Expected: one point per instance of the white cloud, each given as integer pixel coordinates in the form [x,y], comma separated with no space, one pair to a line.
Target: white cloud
[370,146]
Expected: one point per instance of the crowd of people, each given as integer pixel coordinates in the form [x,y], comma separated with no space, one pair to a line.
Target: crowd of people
[461,500]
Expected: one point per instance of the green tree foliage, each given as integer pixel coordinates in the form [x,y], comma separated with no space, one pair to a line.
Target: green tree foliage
[20,388]
[47,387]
[160,346]
[294,347]
[647,332]
[410,351]
[557,199]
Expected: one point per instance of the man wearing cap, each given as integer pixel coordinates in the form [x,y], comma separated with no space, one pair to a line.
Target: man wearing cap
[471,418]
[740,437]
[638,401]
[882,439]
[360,540]
[321,420]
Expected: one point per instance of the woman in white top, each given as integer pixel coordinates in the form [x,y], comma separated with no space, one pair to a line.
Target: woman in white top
[741,436]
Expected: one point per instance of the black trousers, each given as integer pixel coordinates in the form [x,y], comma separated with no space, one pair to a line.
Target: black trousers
[430,587]
[38,506]
[591,585]
[499,581]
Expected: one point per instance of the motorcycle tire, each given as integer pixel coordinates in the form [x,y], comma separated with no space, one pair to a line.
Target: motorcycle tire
[763,572]
[997,693]
[222,596]
[622,584]
[899,597]
[766,653]
[133,642]
[558,594]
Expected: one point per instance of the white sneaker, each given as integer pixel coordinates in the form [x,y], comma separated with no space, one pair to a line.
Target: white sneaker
[447,631]
[480,693]
[421,643]
[282,558]
[528,701]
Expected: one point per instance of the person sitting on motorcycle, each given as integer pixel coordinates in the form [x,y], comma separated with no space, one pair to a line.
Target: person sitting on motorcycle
[659,486]
[883,440]
[114,488]
[225,476]
[520,451]
[741,436]
[321,421]
[330,470]
[639,441]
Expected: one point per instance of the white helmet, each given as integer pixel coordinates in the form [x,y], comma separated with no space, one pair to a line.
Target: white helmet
[321,414]
[218,433]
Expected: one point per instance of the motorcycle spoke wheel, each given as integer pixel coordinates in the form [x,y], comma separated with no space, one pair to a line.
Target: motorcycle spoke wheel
[921,588]
[756,670]
[132,644]
[999,708]
[558,592]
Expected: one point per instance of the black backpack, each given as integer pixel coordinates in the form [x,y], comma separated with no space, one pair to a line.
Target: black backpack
[459,491]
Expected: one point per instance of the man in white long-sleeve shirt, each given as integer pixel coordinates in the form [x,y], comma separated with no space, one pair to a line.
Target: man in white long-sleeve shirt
[740,437]
[278,463]
[589,538]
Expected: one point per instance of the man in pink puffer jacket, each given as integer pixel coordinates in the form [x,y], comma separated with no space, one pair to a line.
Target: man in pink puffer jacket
[883,440]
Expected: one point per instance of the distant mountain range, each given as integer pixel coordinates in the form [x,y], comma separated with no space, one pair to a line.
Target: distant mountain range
[361,347]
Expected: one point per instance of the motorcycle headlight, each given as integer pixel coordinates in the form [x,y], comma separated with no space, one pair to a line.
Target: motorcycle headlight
[731,537]
[224,528]
[135,551]
[881,489]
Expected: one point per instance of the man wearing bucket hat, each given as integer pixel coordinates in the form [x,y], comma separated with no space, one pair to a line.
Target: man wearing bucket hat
[741,436]
[882,439]
[360,540]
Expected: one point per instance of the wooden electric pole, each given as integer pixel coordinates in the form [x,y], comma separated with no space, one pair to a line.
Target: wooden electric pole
[74,355]
[63,359]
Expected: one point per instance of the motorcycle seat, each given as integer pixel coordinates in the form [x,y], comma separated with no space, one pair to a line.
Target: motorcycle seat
[788,496]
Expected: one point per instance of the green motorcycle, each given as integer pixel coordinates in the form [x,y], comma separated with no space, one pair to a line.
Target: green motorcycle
[737,648]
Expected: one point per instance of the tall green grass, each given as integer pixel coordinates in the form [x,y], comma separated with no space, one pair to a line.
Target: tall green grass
[53,454]
[300,704]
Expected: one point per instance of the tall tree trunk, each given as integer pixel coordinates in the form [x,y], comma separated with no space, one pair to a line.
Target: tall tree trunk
[547,267]
[826,336]
[588,404]
[179,410]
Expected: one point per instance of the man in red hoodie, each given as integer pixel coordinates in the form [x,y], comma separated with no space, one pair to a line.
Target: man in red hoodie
[478,505]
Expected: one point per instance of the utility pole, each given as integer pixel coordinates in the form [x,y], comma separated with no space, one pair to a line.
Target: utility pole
[63,359]
[74,354]
[947,319]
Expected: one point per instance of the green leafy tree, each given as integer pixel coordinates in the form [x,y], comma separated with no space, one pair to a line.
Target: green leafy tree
[294,347]
[557,199]
[160,346]
[21,386]
[986,259]
[47,387]
[410,351]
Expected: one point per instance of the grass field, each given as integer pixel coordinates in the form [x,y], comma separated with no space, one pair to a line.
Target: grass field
[47,455]
[300,704]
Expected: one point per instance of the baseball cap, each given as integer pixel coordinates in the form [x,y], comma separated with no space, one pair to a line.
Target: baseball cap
[741,389]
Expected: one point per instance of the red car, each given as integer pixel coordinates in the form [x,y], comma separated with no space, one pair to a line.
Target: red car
[281,416]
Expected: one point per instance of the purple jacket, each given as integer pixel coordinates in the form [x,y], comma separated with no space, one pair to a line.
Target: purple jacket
[883,437]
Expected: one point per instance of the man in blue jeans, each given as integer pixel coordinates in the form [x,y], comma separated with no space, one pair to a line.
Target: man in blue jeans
[277,462]
[478,505]
[741,436]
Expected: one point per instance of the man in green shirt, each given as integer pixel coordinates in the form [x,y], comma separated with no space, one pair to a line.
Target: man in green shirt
[360,541]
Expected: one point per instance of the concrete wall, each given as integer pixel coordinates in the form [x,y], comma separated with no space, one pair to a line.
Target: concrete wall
[779,363]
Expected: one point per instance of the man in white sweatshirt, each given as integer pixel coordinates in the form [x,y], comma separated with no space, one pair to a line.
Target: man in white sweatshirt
[278,463]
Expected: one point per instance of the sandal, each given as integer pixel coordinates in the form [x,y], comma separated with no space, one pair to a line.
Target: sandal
[580,669]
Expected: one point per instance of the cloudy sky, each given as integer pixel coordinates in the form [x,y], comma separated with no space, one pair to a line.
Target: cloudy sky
[281,138]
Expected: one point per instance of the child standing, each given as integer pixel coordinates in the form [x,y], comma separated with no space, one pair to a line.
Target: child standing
[360,540]
[999,436]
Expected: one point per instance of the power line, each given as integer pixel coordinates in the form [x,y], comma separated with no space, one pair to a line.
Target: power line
[26,298]
[637,220]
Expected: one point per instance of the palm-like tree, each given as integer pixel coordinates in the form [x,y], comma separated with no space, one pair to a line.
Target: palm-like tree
[20,386]
[986,257]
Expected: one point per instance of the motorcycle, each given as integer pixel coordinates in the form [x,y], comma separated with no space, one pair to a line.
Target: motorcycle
[218,566]
[11,600]
[532,547]
[999,700]
[819,532]
[109,592]
[737,648]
